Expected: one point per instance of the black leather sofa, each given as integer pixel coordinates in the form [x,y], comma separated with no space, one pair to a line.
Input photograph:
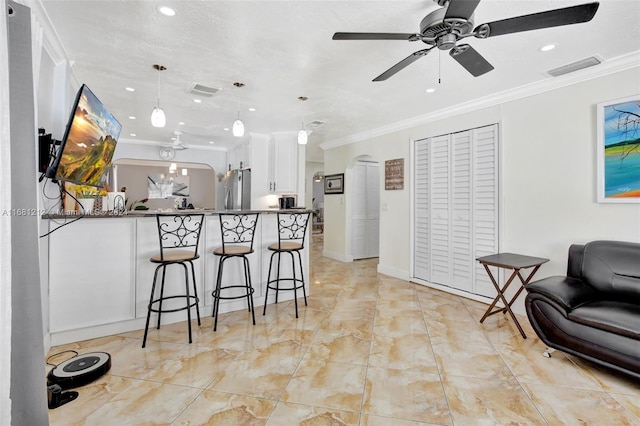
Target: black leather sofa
[594,311]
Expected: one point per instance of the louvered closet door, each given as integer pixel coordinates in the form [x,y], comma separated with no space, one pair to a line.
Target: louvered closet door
[461,230]
[456,208]
[421,252]
[485,203]
[440,241]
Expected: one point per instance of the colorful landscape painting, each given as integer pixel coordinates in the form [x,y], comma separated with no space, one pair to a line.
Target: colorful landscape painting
[90,143]
[621,132]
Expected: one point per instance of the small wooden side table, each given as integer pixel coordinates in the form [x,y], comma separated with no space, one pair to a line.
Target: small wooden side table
[514,262]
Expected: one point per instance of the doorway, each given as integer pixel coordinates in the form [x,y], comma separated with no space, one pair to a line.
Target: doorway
[365,210]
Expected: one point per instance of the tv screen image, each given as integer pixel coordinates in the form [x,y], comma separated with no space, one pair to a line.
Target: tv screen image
[89,142]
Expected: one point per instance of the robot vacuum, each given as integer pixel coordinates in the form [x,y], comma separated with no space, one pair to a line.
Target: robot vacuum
[79,370]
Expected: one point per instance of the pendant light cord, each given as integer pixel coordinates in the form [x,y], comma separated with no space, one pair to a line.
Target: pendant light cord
[158,97]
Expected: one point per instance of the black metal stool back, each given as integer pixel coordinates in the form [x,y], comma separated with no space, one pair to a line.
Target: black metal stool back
[292,229]
[179,237]
[237,231]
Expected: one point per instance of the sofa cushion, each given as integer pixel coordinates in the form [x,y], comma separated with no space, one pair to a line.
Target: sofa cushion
[569,292]
[613,267]
[616,317]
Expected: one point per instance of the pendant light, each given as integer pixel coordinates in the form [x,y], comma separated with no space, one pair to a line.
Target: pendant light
[238,127]
[158,118]
[302,136]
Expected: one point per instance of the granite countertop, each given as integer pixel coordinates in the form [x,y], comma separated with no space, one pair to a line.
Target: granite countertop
[152,213]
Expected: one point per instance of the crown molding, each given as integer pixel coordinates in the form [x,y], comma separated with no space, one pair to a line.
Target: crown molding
[159,144]
[621,63]
[50,40]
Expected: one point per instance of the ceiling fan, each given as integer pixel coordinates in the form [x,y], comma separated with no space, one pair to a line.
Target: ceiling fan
[444,27]
[178,144]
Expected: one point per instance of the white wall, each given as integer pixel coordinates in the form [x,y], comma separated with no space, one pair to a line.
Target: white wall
[548,177]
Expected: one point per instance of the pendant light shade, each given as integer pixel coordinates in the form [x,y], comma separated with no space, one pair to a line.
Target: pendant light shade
[158,119]
[302,136]
[238,127]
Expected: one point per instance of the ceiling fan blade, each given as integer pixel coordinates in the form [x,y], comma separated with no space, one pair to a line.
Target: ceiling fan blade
[462,9]
[470,59]
[372,36]
[402,64]
[535,21]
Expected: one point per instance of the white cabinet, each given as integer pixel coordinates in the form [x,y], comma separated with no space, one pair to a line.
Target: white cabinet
[456,208]
[240,156]
[283,163]
[365,211]
[91,273]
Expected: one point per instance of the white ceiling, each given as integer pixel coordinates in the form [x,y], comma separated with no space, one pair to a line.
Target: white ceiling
[282,50]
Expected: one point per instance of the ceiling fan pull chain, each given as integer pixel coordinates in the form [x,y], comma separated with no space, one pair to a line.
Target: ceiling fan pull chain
[439,67]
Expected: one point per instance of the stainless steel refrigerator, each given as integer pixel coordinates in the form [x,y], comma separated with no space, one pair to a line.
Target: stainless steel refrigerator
[238,189]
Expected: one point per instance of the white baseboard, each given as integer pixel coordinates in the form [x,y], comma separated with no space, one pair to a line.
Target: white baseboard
[337,256]
[401,274]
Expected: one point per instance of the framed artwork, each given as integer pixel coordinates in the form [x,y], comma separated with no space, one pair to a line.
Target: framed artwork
[334,184]
[619,150]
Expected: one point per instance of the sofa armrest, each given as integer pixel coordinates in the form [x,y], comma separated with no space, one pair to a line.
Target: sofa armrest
[568,292]
[574,263]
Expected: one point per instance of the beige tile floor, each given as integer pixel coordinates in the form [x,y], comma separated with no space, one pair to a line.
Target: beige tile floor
[368,350]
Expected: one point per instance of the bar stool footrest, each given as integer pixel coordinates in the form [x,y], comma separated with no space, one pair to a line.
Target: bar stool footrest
[182,308]
[241,296]
[280,288]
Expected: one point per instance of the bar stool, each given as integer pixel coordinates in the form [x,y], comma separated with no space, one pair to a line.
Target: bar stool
[291,232]
[179,236]
[237,231]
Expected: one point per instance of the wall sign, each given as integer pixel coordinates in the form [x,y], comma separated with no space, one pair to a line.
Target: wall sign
[394,174]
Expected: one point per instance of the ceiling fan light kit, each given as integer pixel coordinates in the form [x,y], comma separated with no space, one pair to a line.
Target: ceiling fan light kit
[445,27]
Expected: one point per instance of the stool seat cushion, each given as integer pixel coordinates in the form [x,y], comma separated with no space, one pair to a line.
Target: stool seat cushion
[285,246]
[175,256]
[233,250]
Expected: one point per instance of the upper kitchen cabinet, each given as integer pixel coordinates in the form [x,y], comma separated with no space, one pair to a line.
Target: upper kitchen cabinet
[283,163]
[240,156]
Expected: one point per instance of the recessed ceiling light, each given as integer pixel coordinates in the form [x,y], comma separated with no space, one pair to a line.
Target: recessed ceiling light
[211,142]
[129,89]
[131,117]
[198,101]
[547,47]
[166,11]
[226,129]
[252,109]
[132,134]
[181,123]
[430,90]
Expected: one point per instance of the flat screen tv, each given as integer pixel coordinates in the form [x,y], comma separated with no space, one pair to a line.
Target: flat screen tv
[88,144]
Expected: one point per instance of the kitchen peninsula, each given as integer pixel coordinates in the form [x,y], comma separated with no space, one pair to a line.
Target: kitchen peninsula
[100,275]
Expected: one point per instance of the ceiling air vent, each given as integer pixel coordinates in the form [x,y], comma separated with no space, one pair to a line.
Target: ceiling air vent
[202,90]
[313,125]
[575,66]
